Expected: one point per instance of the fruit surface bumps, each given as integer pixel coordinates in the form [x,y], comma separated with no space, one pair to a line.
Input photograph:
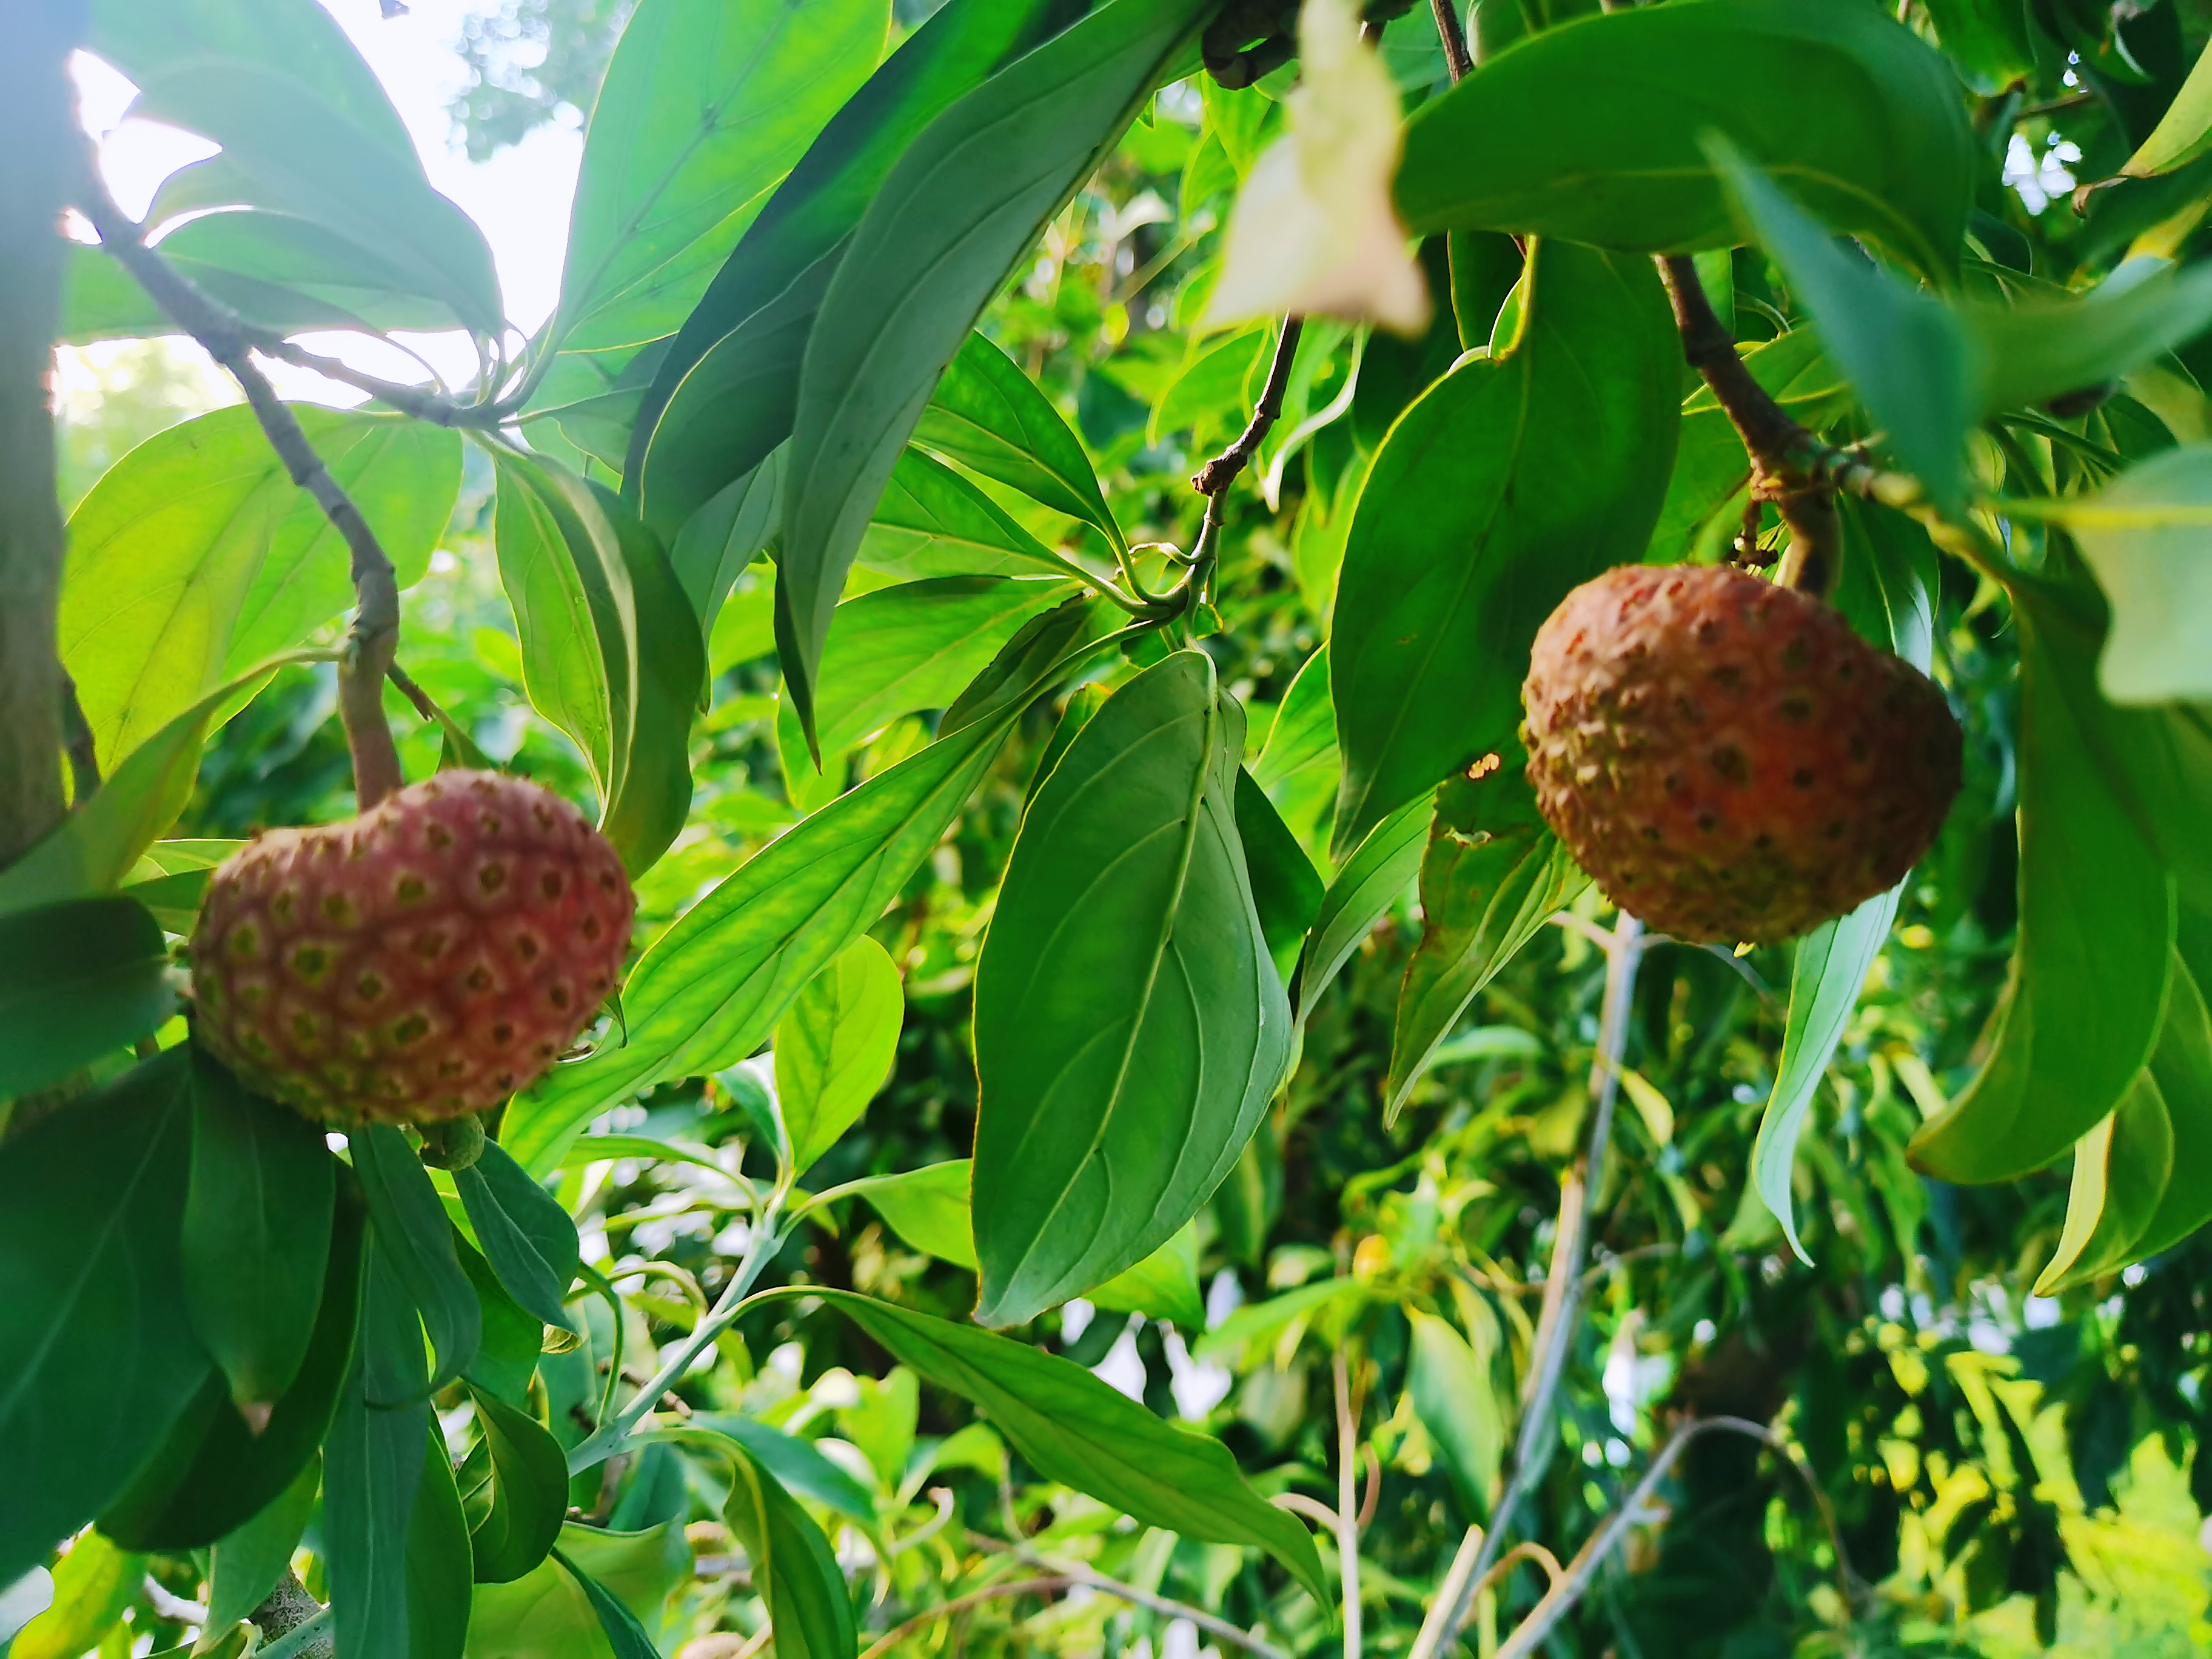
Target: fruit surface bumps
[422,961]
[1726,757]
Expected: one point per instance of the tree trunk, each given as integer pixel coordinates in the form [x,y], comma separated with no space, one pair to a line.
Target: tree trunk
[38,137]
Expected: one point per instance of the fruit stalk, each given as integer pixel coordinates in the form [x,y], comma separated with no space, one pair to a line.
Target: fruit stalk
[1779,446]
[373,637]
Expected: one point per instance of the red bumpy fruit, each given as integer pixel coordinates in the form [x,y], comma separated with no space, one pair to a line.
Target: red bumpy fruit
[1727,759]
[424,961]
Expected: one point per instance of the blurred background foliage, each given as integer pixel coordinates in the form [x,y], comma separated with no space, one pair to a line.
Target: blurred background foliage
[1991,1474]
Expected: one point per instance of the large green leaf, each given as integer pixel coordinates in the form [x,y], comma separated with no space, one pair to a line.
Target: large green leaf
[2184,133]
[1286,888]
[528,1238]
[927,1208]
[529,1496]
[1299,766]
[78,981]
[2143,536]
[438,1561]
[647,813]
[196,556]
[143,37]
[1075,1429]
[97,1355]
[987,414]
[245,1562]
[415,1244]
[702,111]
[304,156]
[257,1235]
[1592,129]
[933,522]
[2083,1006]
[2181,1067]
[1454,1399]
[833,1047]
[808,218]
[93,1585]
[1491,877]
[373,1466]
[1163,1285]
[708,992]
[2121,1168]
[1130,1029]
[546,1613]
[904,649]
[1507,484]
[793,1566]
[562,562]
[214,1473]
[796,1463]
[965,201]
[1380,870]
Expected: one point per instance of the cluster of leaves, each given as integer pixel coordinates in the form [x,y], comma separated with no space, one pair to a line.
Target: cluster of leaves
[872,375]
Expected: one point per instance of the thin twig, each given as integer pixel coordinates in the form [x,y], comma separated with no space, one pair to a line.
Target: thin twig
[1457,58]
[78,744]
[1214,478]
[1348,1490]
[175,1608]
[898,1633]
[414,693]
[375,634]
[1479,1550]
[1514,1556]
[1166,1607]
[1312,1508]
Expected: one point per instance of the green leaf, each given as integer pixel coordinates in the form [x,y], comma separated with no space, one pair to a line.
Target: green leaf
[1510,482]
[708,992]
[1864,118]
[625,1635]
[2121,1168]
[647,811]
[1129,1028]
[1988,41]
[1454,1399]
[933,522]
[97,1356]
[530,1493]
[1286,888]
[2143,536]
[1299,766]
[215,1475]
[246,1562]
[196,556]
[99,844]
[257,1235]
[2040,348]
[969,197]
[792,1462]
[2082,1009]
[1380,871]
[143,37]
[527,1238]
[513,1337]
[576,612]
[93,1585]
[725,535]
[78,980]
[1163,1285]
[703,111]
[372,1463]
[927,1208]
[835,1046]
[546,1614]
[810,217]
[2183,133]
[416,1242]
[1888,592]
[904,649]
[794,1568]
[1075,1429]
[305,157]
[1491,876]
[2181,1068]
[987,415]
[438,1542]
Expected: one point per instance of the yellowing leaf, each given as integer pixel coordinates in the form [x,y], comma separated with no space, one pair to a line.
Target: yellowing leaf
[1314,231]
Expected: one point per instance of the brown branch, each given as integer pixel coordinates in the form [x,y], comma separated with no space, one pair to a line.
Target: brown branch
[375,634]
[1449,30]
[898,1633]
[1213,479]
[1784,455]
[1166,1607]
[78,744]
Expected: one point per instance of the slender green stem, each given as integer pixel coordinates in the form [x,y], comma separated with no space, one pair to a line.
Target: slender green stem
[769,1233]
